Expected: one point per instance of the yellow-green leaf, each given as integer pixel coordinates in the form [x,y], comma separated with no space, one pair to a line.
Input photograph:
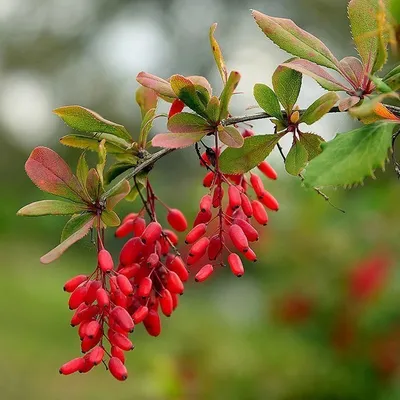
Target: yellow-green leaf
[51,207]
[319,108]
[219,59]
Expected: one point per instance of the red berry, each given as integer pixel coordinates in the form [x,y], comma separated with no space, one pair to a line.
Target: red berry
[124,229]
[238,238]
[103,299]
[117,339]
[130,251]
[123,319]
[93,287]
[72,366]
[92,329]
[77,297]
[145,286]
[269,201]
[196,233]
[139,225]
[172,236]
[88,313]
[151,233]
[105,261]
[250,255]
[208,179]
[204,273]
[152,260]
[267,170]
[218,195]
[176,107]
[234,197]
[247,133]
[259,212]
[117,369]
[235,264]
[203,217]
[117,352]
[246,205]
[176,264]
[74,282]
[174,284]
[152,323]
[130,271]
[214,248]
[200,247]
[96,355]
[140,314]
[177,220]
[124,285]
[257,184]
[250,232]
[130,217]
[166,302]
[205,203]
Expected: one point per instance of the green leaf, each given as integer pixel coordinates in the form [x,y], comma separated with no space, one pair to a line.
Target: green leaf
[110,218]
[225,98]
[64,245]
[392,78]
[159,85]
[213,109]
[185,90]
[188,123]
[93,185]
[323,78]
[287,85]
[85,120]
[312,144]
[230,136]
[82,170]
[218,57]
[146,99]
[351,156]
[114,145]
[74,224]
[267,100]
[289,37]
[177,140]
[145,127]
[319,108]
[50,207]
[118,193]
[296,159]
[254,150]
[50,173]
[369,37]
[117,169]
[203,88]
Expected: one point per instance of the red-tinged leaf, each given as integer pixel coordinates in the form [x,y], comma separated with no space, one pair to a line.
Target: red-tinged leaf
[225,98]
[219,59]
[188,123]
[289,37]
[50,207]
[159,85]
[186,91]
[82,170]
[368,33]
[319,108]
[201,82]
[84,120]
[50,173]
[323,78]
[176,140]
[231,137]
[352,69]
[146,99]
[348,102]
[118,193]
[114,145]
[63,246]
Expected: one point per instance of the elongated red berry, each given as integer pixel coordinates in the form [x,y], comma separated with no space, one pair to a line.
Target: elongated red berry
[140,314]
[117,369]
[105,260]
[88,313]
[248,133]
[88,365]
[124,285]
[103,299]
[123,319]
[174,283]
[250,255]
[238,238]
[218,195]
[130,251]
[259,212]
[267,170]
[124,229]
[152,260]
[139,225]
[92,329]
[214,248]
[117,352]
[176,107]
[130,271]
[269,201]
[208,179]
[96,355]
[74,282]
[77,297]
[196,233]
[234,197]
[88,343]
[257,184]
[166,302]
[76,320]
[204,273]
[246,205]
[205,203]
[172,236]
[130,217]
[92,286]
[151,233]
[250,232]
[176,264]
[203,217]
[236,265]
[117,339]
[177,220]
[152,323]
[145,287]
[200,247]
[72,366]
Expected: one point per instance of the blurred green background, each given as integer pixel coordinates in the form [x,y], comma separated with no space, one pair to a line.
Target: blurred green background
[318,317]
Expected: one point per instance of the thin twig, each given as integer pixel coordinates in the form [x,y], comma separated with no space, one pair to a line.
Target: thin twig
[145,205]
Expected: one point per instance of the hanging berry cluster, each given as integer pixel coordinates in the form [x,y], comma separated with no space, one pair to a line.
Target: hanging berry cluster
[230,226]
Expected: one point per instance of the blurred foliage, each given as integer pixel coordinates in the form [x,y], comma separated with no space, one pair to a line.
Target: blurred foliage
[273,334]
